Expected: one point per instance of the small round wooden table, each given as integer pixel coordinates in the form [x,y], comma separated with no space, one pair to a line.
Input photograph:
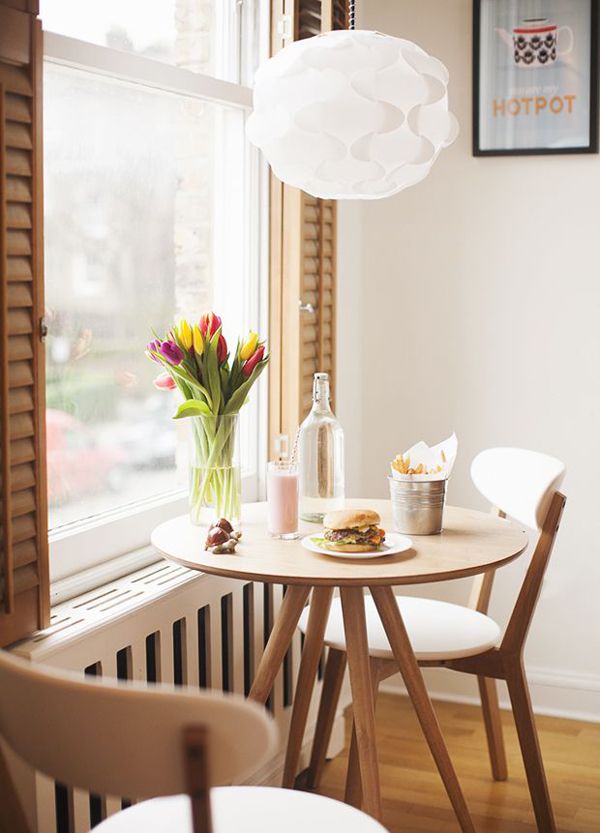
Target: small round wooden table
[471,543]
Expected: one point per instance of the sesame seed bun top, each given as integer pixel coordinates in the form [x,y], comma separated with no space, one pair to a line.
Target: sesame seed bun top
[351,518]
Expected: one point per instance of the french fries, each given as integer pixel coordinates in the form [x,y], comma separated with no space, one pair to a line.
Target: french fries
[402,465]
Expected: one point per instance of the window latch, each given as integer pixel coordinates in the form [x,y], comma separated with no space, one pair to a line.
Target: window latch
[284,27]
[309,309]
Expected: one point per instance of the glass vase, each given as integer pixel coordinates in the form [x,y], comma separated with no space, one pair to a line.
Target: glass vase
[215,474]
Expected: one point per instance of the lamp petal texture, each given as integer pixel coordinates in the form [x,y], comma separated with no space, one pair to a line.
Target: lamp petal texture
[351,114]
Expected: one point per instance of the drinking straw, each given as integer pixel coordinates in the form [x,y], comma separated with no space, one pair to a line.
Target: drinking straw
[295,450]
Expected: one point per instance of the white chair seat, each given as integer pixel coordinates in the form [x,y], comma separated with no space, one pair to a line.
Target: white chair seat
[437,630]
[245,810]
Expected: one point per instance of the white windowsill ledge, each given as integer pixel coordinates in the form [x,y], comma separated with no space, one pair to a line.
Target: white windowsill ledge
[68,588]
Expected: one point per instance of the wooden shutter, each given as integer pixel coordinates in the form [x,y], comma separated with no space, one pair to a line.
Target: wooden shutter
[24,594]
[317,294]
[303,256]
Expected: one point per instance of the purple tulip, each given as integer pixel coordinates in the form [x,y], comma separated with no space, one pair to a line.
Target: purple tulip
[171,352]
[153,347]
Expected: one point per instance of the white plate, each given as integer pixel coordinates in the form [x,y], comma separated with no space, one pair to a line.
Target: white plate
[393,544]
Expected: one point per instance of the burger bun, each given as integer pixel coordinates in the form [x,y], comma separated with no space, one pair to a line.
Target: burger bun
[351,519]
[331,545]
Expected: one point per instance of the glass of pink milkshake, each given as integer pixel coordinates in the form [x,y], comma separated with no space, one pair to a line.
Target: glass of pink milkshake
[282,500]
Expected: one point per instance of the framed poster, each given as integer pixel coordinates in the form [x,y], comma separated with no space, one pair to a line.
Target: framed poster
[535,77]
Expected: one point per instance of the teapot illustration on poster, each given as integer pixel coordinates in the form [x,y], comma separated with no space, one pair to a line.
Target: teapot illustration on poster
[537,42]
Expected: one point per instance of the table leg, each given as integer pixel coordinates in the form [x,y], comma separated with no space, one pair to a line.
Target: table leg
[330,696]
[311,652]
[279,641]
[353,793]
[387,606]
[357,649]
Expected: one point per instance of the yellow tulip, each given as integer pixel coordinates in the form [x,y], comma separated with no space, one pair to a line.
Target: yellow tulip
[249,346]
[184,332]
[197,340]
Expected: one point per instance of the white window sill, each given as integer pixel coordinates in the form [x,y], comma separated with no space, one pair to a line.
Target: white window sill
[68,588]
[106,548]
[90,545]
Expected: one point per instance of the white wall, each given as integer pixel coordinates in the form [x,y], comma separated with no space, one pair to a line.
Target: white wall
[471,302]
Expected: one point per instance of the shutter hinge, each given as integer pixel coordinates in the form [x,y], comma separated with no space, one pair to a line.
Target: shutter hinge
[43,329]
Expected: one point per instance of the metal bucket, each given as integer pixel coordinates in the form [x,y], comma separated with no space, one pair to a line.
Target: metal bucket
[417,505]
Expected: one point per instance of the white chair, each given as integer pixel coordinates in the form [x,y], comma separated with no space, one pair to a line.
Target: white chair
[524,484]
[139,741]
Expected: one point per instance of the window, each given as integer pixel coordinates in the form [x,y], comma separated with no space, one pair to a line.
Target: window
[153,202]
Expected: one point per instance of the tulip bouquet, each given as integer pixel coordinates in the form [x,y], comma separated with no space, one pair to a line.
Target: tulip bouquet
[196,361]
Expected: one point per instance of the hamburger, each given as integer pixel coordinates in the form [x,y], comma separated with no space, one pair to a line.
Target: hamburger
[352,530]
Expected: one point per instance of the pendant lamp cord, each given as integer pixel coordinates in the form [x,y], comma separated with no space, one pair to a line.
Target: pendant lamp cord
[351,14]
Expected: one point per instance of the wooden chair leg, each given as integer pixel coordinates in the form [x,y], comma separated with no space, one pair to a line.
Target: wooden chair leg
[311,653]
[530,747]
[279,641]
[357,645]
[353,793]
[330,695]
[195,742]
[493,727]
[386,604]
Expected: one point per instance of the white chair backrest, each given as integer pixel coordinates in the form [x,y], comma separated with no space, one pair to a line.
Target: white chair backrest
[125,738]
[519,482]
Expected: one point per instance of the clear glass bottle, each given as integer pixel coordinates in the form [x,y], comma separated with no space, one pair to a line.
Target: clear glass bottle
[320,456]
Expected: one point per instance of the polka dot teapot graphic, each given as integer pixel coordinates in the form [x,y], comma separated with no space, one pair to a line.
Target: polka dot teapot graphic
[534,43]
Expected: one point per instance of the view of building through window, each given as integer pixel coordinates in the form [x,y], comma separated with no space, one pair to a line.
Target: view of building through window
[143,221]
[200,35]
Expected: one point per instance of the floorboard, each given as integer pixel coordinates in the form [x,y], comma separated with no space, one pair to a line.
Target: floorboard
[414,800]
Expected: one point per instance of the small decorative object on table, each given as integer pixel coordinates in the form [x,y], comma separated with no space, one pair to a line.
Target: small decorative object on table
[196,361]
[221,538]
[418,486]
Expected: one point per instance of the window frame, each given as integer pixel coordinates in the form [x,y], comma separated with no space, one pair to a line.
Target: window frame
[87,553]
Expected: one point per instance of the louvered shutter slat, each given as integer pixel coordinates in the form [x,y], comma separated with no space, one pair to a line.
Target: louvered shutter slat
[18,216]
[18,189]
[19,322]
[18,161]
[23,451]
[19,295]
[19,269]
[18,108]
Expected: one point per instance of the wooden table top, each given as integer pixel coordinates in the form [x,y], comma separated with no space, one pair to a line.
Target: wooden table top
[470,543]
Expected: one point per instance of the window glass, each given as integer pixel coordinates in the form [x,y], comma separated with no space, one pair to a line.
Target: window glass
[199,35]
[145,221]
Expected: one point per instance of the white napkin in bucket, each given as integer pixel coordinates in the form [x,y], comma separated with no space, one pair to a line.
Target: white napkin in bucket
[436,462]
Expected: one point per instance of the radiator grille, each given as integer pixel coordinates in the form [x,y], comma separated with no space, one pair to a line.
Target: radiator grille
[163,623]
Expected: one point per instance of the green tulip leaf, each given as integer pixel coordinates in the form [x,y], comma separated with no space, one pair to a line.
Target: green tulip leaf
[240,395]
[192,408]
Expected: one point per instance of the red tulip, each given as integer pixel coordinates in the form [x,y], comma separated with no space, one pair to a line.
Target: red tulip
[249,366]
[221,349]
[209,324]
[165,382]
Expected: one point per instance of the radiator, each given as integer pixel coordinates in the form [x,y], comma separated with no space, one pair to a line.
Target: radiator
[162,623]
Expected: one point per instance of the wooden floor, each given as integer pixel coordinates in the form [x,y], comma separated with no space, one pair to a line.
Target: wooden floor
[414,800]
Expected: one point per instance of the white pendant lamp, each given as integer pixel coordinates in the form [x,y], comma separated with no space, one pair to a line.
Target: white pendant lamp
[351,114]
